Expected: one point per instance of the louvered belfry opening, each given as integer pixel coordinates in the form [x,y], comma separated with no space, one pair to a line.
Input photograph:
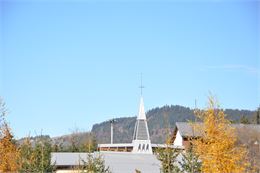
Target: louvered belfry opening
[141,131]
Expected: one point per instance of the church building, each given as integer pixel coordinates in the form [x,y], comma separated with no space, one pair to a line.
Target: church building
[141,142]
[120,157]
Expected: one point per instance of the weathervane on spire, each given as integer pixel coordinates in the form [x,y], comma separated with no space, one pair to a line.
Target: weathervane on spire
[141,86]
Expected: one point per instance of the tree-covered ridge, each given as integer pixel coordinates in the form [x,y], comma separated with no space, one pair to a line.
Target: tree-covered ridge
[159,120]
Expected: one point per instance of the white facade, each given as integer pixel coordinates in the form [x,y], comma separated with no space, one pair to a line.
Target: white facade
[178,140]
[142,146]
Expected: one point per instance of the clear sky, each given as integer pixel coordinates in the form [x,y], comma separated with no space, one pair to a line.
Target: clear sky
[67,64]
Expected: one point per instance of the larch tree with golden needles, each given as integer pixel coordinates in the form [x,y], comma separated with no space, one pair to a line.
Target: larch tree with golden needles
[8,150]
[217,147]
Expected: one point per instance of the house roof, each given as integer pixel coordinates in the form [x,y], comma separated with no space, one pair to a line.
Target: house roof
[255,127]
[118,162]
[187,130]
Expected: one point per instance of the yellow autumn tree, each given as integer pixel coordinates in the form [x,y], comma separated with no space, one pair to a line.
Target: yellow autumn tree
[217,147]
[8,150]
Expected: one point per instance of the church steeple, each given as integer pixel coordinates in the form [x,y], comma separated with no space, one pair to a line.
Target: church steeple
[141,138]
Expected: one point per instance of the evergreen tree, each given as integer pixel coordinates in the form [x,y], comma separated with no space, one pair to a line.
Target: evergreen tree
[168,157]
[244,120]
[42,155]
[94,164]
[36,158]
[25,160]
[190,161]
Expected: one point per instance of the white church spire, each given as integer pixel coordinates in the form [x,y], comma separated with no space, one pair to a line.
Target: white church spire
[141,138]
[141,114]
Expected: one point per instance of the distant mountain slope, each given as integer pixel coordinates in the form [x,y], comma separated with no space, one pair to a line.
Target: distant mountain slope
[159,119]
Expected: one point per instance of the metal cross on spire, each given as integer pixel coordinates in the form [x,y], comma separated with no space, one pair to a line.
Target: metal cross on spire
[141,86]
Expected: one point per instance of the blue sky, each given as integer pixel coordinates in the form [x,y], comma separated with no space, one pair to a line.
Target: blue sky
[66,64]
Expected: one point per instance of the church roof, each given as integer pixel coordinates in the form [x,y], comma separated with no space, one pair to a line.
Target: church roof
[118,162]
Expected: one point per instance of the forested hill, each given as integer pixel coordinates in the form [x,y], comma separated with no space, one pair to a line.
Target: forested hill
[159,119]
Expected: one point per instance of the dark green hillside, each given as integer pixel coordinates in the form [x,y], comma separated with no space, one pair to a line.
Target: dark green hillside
[123,130]
[159,119]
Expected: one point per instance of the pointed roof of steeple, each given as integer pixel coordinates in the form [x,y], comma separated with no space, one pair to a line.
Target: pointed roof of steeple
[141,114]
